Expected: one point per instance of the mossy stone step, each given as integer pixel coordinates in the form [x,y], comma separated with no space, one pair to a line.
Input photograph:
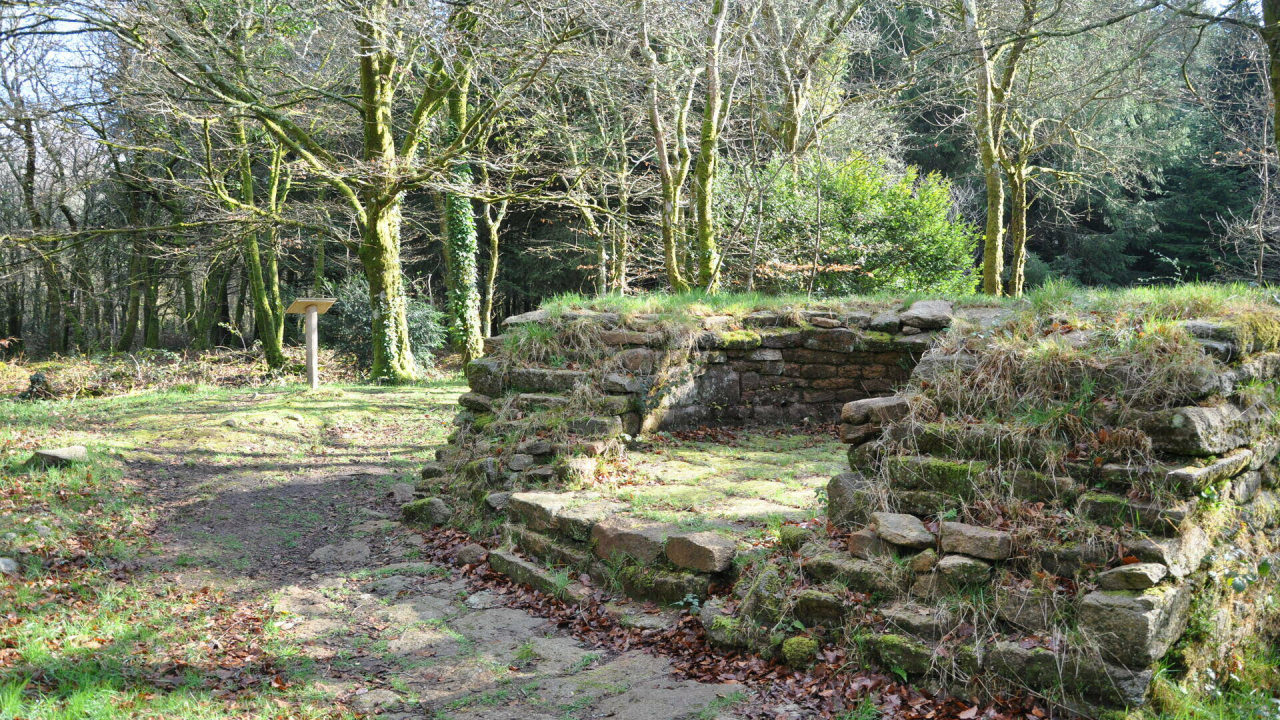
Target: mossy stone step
[662,585]
[930,622]
[968,479]
[1119,512]
[546,379]
[814,606]
[925,472]
[992,442]
[547,548]
[910,655]
[1088,684]
[539,578]
[868,576]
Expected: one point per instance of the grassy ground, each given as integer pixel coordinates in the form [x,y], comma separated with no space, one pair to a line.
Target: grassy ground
[748,481]
[113,619]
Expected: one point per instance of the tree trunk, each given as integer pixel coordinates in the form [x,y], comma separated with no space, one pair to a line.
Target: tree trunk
[993,241]
[151,306]
[213,306]
[317,264]
[493,216]
[671,175]
[1270,33]
[987,132]
[705,247]
[189,309]
[461,244]
[137,272]
[670,239]
[622,239]
[381,199]
[264,280]
[1018,229]
[393,360]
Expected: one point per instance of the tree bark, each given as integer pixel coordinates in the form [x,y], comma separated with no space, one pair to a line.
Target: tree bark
[671,174]
[381,199]
[461,243]
[264,280]
[1018,228]
[494,214]
[705,247]
[151,306]
[1270,33]
[986,128]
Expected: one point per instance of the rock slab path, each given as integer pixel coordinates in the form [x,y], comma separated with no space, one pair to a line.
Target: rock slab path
[300,510]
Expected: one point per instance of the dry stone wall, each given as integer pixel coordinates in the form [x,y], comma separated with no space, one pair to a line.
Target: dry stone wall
[972,554]
[1092,571]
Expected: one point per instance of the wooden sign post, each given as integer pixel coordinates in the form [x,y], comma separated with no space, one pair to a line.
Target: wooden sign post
[313,308]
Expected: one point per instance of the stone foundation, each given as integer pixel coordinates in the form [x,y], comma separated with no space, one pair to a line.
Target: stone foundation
[973,556]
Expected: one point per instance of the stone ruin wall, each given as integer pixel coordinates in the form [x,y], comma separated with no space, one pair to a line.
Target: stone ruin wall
[900,539]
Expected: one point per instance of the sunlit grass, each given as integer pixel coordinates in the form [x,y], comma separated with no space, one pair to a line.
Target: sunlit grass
[91,640]
[1189,300]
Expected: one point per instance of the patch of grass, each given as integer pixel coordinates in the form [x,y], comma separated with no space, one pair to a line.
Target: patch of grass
[94,640]
[866,710]
[525,653]
[701,304]
[1251,692]
[582,663]
[724,702]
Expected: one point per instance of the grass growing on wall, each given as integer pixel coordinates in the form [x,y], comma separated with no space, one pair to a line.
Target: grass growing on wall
[1167,302]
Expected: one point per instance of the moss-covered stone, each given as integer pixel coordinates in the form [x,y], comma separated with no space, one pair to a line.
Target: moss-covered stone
[546,548]
[954,477]
[765,596]
[899,652]
[860,575]
[791,537]
[486,376]
[799,651]
[428,511]
[1119,511]
[737,340]
[878,341]
[817,607]
[663,586]
[987,441]
[925,503]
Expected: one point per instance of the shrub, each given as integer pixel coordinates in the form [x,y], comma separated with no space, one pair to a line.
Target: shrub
[881,231]
[347,326]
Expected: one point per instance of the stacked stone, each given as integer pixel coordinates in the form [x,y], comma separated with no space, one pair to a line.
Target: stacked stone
[765,367]
[789,367]
[651,560]
[1217,463]
[643,377]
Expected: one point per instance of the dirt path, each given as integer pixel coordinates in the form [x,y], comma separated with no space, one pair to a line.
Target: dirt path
[289,498]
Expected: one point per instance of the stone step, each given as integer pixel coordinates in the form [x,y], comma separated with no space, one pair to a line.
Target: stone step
[1180,480]
[1121,512]
[879,577]
[1081,681]
[1202,431]
[601,426]
[546,379]
[924,622]
[992,442]
[551,550]
[968,479]
[539,578]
